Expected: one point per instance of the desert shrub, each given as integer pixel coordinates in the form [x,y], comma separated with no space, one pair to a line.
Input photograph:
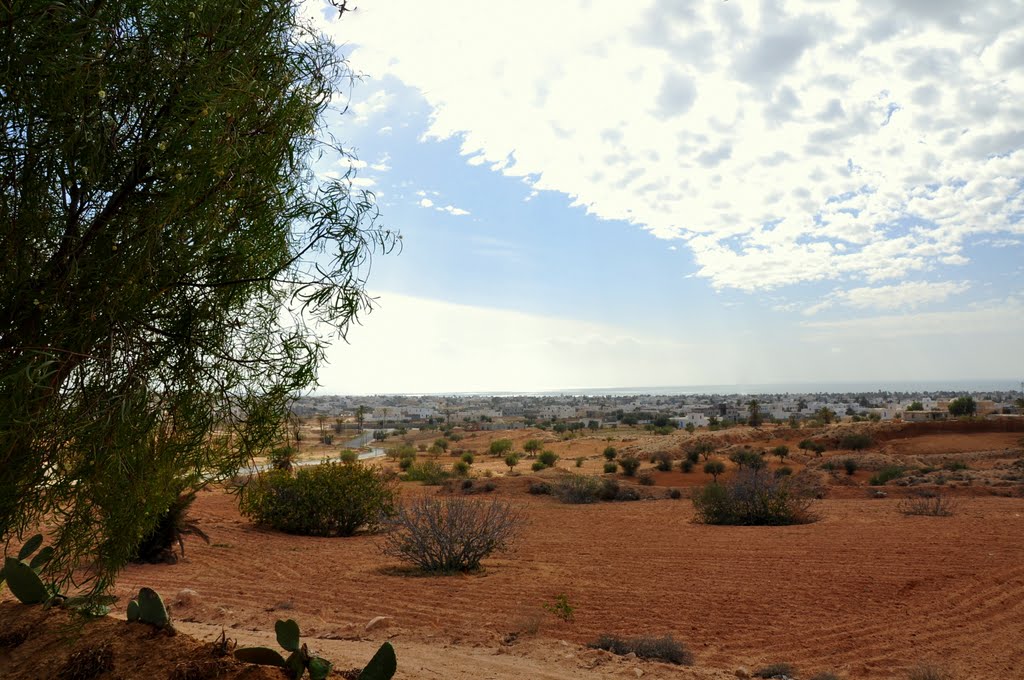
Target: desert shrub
[629,465]
[610,466]
[714,468]
[775,669]
[627,493]
[829,465]
[282,457]
[547,458]
[609,489]
[467,458]
[348,456]
[539,488]
[784,471]
[747,458]
[578,488]
[956,465]
[429,472]
[704,449]
[928,503]
[421,447]
[675,494]
[666,648]
[646,478]
[500,447]
[886,474]
[663,461]
[686,465]
[929,672]
[405,463]
[331,499]
[488,487]
[855,441]
[441,443]
[460,468]
[451,533]
[537,466]
[693,455]
[579,461]
[170,530]
[781,451]
[850,465]
[610,453]
[753,497]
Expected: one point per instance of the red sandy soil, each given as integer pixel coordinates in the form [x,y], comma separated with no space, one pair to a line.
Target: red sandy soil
[866,592]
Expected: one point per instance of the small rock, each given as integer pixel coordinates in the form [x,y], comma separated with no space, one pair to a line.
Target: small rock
[638,672]
[631,655]
[186,597]
[377,622]
[742,672]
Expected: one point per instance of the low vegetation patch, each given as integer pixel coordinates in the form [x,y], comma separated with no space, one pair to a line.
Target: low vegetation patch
[754,497]
[578,488]
[928,503]
[666,648]
[331,499]
[450,534]
[855,442]
[429,472]
[886,474]
[775,670]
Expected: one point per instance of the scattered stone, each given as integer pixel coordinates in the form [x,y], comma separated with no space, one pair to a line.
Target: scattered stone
[638,672]
[186,597]
[377,622]
[880,494]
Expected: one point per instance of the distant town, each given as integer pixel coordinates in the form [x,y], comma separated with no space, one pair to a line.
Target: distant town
[662,411]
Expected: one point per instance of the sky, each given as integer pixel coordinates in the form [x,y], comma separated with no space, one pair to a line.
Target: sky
[684,192]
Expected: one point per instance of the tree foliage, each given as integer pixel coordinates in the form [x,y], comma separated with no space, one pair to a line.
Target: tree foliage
[963,406]
[172,266]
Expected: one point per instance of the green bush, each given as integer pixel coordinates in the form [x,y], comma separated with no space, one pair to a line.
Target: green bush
[629,465]
[675,494]
[610,453]
[283,457]
[662,461]
[855,442]
[548,458]
[646,478]
[886,474]
[405,463]
[686,465]
[467,458]
[331,499]
[171,528]
[538,466]
[578,488]
[753,497]
[500,447]
[956,465]
[460,468]
[429,472]
[747,458]
[610,466]
[850,465]
[784,471]
[579,461]
[646,647]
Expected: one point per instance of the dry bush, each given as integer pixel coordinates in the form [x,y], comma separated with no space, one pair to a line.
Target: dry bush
[450,534]
[929,503]
[754,497]
[665,648]
[578,488]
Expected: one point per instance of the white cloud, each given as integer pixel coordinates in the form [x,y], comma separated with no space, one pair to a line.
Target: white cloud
[376,102]
[785,142]
[906,295]
[426,203]
[452,210]
[416,345]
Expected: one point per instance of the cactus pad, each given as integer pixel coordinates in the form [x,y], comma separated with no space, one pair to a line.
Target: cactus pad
[382,666]
[263,656]
[152,609]
[24,583]
[287,634]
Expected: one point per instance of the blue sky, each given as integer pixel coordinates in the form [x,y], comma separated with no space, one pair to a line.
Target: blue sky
[687,193]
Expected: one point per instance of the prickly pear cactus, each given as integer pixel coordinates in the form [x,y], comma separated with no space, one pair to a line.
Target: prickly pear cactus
[264,656]
[152,609]
[287,634]
[382,666]
[133,610]
[24,582]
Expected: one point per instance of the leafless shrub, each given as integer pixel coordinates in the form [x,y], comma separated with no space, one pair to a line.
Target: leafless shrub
[930,503]
[450,534]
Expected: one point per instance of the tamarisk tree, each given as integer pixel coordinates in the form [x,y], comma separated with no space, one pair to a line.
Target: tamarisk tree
[173,268]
